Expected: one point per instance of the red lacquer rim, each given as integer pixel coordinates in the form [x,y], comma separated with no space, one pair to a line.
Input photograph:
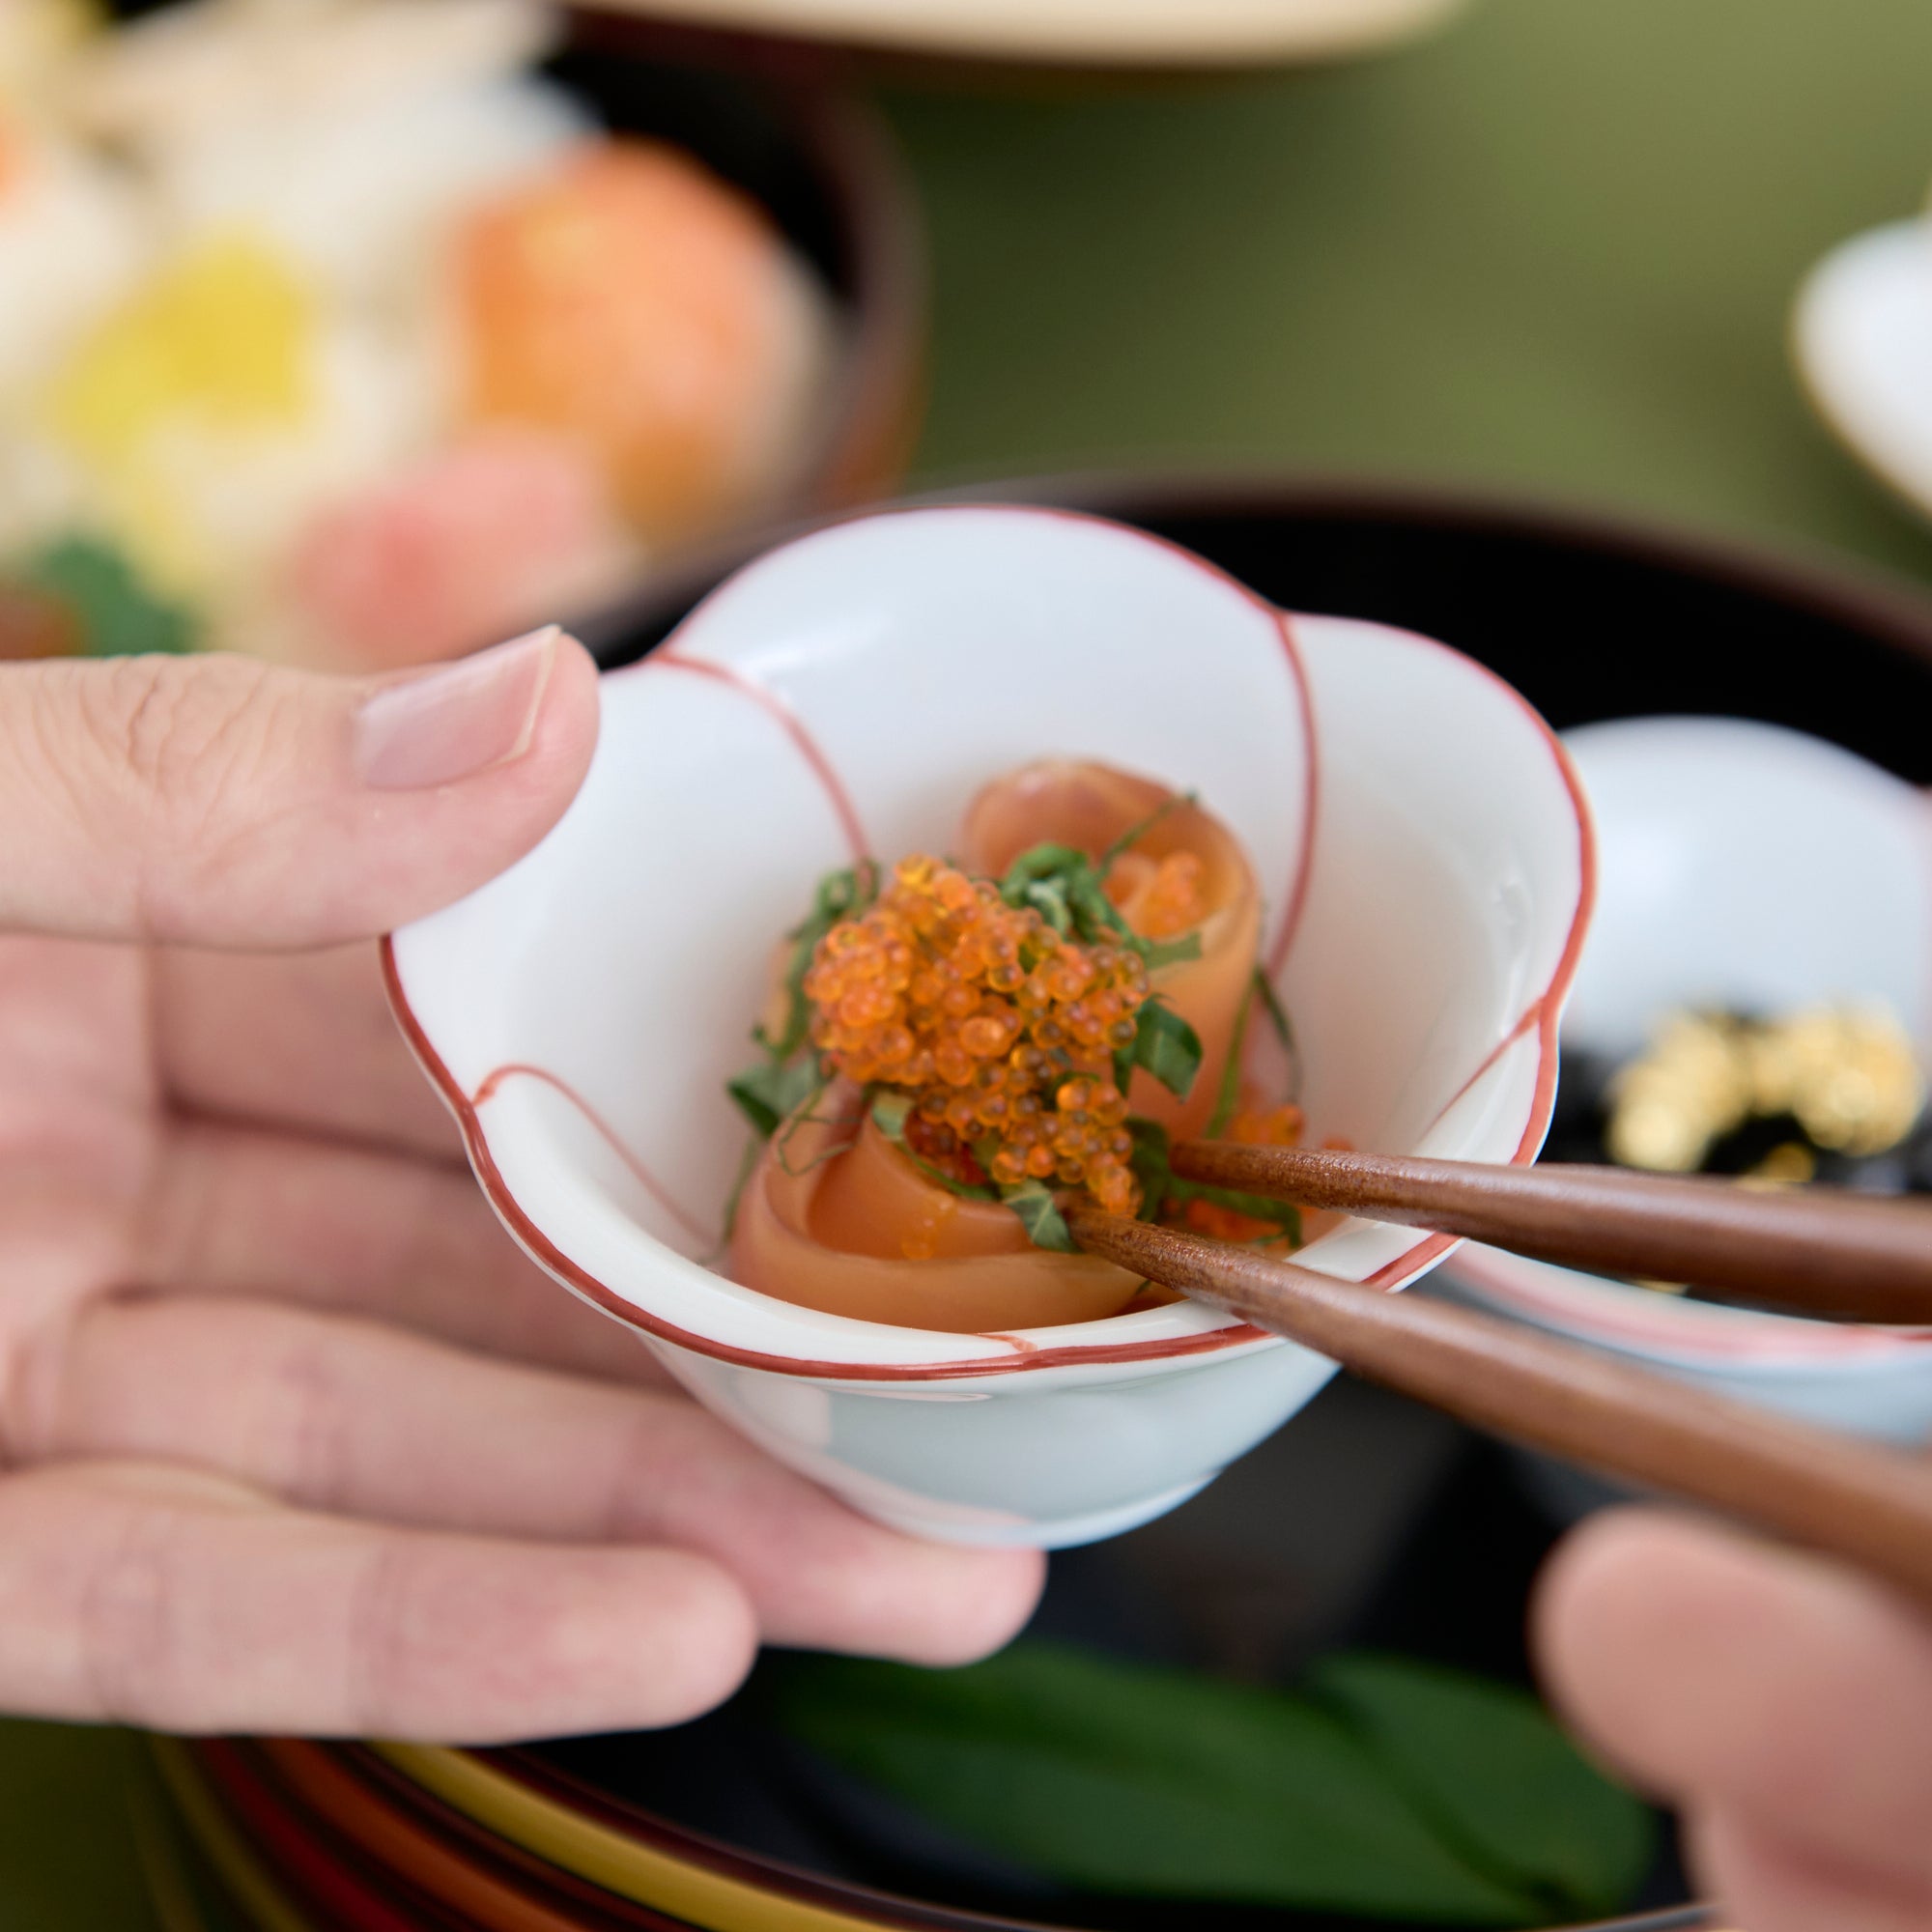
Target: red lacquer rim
[325,1878]
[1541,1014]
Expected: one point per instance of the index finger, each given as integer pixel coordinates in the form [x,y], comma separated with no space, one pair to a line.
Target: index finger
[142,1594]
[1750,1680]
[303,1040]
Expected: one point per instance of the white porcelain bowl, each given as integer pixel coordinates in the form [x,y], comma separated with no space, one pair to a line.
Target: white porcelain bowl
[1861,334]
[1748,866]
[1426,862]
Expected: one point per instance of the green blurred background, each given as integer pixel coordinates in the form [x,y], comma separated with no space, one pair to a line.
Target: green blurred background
[1552,249]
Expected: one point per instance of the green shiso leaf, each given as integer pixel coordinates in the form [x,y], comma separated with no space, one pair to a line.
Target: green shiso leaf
[839,897]
[1168,1047]
[771,1091]
[1484,1761]
[1134,834]
[1159,952]
[788,1075]
[1162,1188]
[891,1111]
[1069,891]
[1228,1096]
[1123,1778]
[1039,1215]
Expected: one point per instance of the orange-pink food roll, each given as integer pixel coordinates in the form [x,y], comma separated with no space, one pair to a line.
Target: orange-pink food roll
[1186,873]
[839,1217]
[864,1232]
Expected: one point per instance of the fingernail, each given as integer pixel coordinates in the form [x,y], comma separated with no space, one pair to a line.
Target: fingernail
[455,722]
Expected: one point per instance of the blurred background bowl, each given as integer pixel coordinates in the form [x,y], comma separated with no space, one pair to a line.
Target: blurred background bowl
[1742,868]
[442,470]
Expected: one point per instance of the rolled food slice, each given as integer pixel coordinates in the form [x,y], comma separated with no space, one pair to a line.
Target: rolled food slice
[1185,873]
[973,1039]
[864,1232]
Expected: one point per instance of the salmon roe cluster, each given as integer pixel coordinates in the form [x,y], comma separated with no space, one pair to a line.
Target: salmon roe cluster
[1160,898]
[1000,1030]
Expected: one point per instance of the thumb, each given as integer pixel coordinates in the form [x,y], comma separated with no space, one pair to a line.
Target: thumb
[215,800]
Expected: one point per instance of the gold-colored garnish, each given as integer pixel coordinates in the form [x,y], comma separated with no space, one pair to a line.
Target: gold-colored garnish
[1789,1164]
[1692,1087]
[1850,1079]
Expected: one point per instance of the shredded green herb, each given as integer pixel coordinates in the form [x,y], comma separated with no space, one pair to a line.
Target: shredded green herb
[1162,1190]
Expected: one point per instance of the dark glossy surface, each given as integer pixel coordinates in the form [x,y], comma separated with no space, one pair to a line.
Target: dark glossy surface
[1590,619]
[1367,1522]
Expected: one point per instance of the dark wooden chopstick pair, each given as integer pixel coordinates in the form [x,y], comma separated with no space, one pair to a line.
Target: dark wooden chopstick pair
[1826,1252]
[1854,1256]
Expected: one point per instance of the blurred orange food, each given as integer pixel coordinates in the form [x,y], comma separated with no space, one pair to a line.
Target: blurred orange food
[629,298]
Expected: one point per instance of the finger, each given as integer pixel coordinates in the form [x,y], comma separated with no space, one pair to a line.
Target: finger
[356,1420]
[297,1040]
[245,1211]
[1763,1684]
[169,1599]
[223,802]
[1771,1886]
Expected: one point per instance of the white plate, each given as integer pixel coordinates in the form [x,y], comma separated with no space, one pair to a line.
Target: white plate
[1083,32]
[1863,337]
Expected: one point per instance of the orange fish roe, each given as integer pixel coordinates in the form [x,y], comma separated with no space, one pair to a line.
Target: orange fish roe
[1000,1030]
[1160,898]
[1272,1127]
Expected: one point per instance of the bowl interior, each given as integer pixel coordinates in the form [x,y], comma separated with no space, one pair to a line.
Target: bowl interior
[1744,865]
[1413,826]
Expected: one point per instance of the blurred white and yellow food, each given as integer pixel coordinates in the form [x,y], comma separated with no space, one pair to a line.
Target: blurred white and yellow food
[337,332]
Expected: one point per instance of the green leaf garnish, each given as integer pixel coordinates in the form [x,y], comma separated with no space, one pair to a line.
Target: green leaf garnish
[1284,1031]
[1069,891]
[1039,1215]
[1228,1096]
[768,1093]
[1159,952]
[789,1077]
[1484,1762]
[1162,1189]
[1392,1790]
[1168,1047]
[1134,834]
[839,897]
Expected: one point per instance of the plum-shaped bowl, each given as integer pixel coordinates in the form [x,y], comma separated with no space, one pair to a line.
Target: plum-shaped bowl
[1418,831]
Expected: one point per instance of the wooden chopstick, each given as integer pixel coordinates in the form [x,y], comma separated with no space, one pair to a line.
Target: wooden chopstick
[1825,1250]
[1857,1500]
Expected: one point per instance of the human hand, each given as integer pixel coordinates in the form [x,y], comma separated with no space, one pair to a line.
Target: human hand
[294,1438]
[1783,1705]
